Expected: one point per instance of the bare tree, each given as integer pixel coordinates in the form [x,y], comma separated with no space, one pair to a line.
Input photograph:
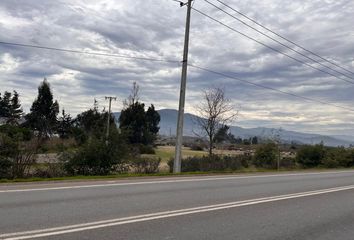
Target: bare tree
[24,158]
[214,112]
[133,97]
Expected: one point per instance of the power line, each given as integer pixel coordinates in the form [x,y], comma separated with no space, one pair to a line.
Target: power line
[89,53]
[172,61]
[269,88]
[193,2]
[284,38]
[277,41]
[272,48]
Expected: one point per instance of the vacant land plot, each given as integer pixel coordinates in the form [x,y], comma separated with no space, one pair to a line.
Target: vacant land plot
[168,152]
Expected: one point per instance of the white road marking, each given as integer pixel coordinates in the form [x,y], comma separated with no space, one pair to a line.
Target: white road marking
[160,215]
[174,180]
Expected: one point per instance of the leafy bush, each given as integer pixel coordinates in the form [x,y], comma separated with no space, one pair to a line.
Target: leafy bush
[213,163]
[49,170]
[17,151]
[287,162]
[79,135]
[311,156]
[197,147]
[5,168]
[145,165]
[97,158]
[146,149]
[266,156]
[15,132]
[330,163]
[349,161]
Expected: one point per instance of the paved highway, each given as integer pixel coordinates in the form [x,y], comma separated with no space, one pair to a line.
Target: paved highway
[260,206]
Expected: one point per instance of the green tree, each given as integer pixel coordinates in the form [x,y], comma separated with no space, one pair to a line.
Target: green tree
[254,140]
[5,104]
[43,114]
[92,123]
[222,134]
[132,121]
[17,151]
[139,126]
[15,111]
[246,141]
[152,121]
[65,125]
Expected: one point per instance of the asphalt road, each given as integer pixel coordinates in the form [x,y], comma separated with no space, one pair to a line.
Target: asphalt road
[262,206]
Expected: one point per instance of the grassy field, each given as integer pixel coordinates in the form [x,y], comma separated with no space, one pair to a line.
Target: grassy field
[168,152]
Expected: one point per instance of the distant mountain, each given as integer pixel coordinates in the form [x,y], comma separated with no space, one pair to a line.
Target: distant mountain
[168,125]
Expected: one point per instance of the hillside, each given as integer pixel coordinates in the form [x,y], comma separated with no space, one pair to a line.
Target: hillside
[168,126]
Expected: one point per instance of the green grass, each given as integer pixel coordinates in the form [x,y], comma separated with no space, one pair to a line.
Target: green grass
[166,153]
[73,178]
[133,175]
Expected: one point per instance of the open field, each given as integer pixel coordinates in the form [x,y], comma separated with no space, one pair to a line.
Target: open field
[168,152]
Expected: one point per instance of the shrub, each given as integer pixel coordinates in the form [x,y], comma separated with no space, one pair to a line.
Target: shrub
[335,157]
[146,149]
[97,158]
[197,147]
[330,163]
[311,156]
[17,151]
[49,170]
[79,135]
[15,132]
[349,161]
[213,163]
[288,162]
[266,156]
[145,165]
[5,168]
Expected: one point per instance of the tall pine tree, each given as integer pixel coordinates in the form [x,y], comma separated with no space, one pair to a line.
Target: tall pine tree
[152,122]
[15,110]
[43,114]
[5,105]
[65,125]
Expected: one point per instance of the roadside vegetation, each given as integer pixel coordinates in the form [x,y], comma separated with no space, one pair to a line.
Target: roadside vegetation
[49,143]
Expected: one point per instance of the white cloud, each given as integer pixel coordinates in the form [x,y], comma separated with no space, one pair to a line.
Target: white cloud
[155,29]
[8,63]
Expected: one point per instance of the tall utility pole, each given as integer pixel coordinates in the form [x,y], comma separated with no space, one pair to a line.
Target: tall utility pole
[182,95]
[109,115]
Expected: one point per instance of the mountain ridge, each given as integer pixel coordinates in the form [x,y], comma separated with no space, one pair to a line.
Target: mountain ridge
[168,126]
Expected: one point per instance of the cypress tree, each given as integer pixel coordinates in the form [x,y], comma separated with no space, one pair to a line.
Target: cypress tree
[15,110]
[5,105]
[44,111]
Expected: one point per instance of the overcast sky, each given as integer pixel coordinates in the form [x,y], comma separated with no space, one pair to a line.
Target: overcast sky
[155,28]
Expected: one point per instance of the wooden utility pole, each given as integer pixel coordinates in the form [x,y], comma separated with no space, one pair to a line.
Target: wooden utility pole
[109,116]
